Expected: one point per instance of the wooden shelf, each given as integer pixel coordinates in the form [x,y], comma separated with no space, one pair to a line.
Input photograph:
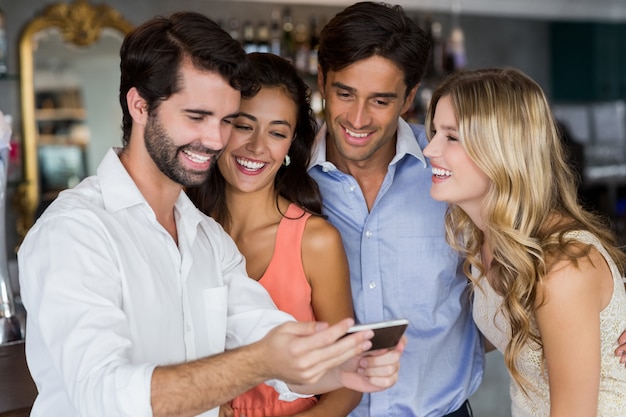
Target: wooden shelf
[60,114]
[63,140]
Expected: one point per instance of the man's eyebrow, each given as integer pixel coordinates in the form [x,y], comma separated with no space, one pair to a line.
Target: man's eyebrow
[352,91]
[208,113]
[199,112]
[342,86]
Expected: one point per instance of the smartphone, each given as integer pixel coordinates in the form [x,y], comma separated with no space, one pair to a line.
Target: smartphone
[387,334]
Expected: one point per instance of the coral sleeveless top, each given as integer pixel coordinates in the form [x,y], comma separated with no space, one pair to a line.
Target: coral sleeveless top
[286,282]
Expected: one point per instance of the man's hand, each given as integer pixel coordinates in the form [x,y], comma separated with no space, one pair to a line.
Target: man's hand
[374,371]
[315,358]
[302,353]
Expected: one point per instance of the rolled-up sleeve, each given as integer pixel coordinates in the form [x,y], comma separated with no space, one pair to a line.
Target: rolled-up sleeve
[77,331]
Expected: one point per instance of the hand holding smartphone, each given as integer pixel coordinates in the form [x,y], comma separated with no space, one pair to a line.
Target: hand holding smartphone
[387,334]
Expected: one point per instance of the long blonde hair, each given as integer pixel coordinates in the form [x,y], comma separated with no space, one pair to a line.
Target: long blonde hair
[506,127]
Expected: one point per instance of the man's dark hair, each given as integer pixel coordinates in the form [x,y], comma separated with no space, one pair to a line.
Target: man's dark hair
[367,29]
[152,54]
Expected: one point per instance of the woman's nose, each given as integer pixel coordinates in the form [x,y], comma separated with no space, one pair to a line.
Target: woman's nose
[429,149]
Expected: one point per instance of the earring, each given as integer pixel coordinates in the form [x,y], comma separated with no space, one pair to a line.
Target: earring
[287,161]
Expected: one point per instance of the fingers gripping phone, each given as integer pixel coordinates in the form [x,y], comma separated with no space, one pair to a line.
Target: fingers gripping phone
[387,334]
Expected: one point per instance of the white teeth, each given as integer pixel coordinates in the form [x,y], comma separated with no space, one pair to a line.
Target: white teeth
[195,157]
[356,135]
[441,172]
[250,165]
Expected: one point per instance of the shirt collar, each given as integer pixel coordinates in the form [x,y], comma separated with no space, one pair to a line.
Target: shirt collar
[405,145]
[318,153]
[119,191]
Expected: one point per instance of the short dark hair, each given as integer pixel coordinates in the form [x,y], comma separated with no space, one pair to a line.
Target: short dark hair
[152,54]
[368,28]
[293,181]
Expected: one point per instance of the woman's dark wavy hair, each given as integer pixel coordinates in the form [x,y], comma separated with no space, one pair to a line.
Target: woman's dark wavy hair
[152,54]
[291,182]
[367,29]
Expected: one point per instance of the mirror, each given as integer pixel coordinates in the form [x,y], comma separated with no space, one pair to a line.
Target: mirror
[69,64]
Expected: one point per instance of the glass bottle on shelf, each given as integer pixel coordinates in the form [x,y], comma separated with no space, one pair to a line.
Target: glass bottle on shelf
[438,49]
[301,42]
[3,46]
[276,32]
[263,37]
[287,43]
[249,41]
[233,28]
[314,41]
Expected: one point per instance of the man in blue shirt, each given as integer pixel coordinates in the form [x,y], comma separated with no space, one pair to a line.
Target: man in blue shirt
[375,183]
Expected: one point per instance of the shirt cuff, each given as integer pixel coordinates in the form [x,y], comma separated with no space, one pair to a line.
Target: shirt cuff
[132,384]
[284,393]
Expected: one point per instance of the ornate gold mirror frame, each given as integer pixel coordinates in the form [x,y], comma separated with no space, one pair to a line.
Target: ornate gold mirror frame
[80,24]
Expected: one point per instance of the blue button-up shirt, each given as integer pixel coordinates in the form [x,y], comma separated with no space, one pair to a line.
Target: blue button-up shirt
[402,267]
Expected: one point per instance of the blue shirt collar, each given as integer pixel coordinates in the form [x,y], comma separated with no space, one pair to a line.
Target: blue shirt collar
[405,145]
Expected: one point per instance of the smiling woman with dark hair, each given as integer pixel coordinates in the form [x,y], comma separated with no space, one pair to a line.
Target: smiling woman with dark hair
[264,198]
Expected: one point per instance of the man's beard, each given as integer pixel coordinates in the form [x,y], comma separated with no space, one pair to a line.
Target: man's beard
[165,155]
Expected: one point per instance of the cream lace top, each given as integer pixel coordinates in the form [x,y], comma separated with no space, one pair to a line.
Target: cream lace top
[612,397]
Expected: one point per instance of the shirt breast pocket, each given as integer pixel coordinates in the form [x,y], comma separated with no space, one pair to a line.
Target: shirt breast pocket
[216,313]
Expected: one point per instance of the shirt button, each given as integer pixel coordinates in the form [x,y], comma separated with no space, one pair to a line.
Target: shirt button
[188,328]
[325,169]
[368,234]
[352,187]
[372,285]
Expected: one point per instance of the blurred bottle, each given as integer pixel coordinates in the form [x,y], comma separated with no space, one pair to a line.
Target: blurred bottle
[435,65]
[455,51]
[234,28]
[301,42]
[249,39]
[287,46]
[438,48]
[314,41]
[263,37]
[276,33]
[10,328]
[14,169]
[3,45]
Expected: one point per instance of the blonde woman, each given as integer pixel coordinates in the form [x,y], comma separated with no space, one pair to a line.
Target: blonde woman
[547,275]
